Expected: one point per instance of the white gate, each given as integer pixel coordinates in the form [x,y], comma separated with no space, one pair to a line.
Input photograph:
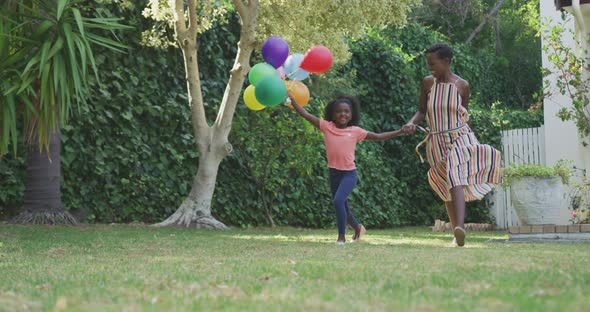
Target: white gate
[521,147]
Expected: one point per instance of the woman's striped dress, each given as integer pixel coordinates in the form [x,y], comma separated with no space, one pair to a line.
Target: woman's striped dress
[453,152]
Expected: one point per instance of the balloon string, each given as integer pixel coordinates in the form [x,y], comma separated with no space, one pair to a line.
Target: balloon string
[291,74]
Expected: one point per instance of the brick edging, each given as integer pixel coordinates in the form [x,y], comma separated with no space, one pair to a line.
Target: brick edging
[549,228]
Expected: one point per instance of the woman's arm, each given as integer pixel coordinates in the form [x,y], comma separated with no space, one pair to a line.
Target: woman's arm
[382,136]
[301,111]
[465,92]
[410,127]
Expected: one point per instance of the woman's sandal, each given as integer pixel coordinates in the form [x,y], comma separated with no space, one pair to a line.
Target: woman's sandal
[459,233]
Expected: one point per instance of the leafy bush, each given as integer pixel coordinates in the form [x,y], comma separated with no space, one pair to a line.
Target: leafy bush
[12,183]
[130,155]
[277,170]
[569,72]
[561,169]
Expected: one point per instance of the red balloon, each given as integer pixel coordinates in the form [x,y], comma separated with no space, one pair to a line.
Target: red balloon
[317,60]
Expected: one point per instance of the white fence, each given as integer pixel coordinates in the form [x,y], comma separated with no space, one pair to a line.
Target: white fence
[519,146]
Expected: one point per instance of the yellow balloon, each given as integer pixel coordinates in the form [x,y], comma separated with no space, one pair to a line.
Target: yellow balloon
[250,99]
[298,91]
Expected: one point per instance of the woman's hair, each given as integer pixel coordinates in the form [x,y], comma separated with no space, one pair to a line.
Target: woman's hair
[355,107]
[442,50]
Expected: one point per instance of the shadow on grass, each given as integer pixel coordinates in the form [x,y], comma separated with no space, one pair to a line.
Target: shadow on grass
[419,237]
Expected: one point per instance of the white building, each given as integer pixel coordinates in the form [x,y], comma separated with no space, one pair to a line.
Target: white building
[561,138]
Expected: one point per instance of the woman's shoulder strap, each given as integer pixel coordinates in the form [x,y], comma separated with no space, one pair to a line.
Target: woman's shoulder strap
[428,82]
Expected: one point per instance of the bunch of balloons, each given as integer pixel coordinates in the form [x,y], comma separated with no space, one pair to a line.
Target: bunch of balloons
[281,73]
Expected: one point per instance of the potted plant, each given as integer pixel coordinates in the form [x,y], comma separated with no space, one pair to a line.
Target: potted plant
[580,202]
[537,191]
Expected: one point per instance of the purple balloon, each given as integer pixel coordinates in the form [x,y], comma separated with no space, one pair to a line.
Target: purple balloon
[275,51]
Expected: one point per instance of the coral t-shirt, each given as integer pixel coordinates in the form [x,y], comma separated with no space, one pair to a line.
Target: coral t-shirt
[341,144]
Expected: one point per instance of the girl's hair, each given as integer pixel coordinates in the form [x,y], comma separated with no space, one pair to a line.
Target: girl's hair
[442,50]
[355,107]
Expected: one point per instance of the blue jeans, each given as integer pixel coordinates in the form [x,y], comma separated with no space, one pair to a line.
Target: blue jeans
[342,182]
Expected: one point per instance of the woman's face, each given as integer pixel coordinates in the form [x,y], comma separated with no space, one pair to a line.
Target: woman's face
[436,65]
[342,114]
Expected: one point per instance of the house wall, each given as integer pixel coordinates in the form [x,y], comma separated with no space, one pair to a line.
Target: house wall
[561,140]
[581,13]
[561,137]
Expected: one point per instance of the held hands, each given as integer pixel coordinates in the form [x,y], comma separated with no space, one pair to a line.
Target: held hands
[409,128]
[290,99]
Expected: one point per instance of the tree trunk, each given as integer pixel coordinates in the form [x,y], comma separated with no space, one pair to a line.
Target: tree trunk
[42,199]
[498,36]
[195,210]
[212,141]
[479,28]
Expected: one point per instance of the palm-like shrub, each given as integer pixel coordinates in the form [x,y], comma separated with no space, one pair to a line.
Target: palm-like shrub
[46,58]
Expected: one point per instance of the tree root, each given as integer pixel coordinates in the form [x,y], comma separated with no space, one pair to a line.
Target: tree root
[191,215]
[200,223]
[48,217]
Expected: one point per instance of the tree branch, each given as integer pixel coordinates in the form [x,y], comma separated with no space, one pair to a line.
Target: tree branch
[485,20]
[179,22]
[188,43]
[192,17]
[249,18]
[240,6]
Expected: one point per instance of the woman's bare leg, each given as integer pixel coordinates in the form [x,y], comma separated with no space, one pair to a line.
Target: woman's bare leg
[458,200]
[458,205]
[451,213]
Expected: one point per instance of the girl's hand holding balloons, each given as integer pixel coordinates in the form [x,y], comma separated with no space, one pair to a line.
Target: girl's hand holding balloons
[298,91]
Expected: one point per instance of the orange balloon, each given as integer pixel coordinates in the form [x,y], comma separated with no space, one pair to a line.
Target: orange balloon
[298,91]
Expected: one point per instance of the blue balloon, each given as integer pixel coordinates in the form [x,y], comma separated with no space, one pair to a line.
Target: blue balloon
[292,69]
[292,62]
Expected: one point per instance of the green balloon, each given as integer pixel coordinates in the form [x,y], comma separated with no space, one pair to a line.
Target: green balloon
[261,71]
[270,91]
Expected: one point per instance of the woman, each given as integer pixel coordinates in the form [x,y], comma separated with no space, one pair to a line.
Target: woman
[461,169]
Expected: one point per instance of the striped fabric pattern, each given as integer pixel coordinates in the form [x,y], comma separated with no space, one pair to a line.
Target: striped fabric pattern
[456,157]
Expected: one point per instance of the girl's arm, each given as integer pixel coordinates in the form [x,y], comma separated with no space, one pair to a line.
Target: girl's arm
[410,127]
[371,136]
[301,111]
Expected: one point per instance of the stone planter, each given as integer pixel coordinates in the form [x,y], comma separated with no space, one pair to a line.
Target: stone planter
[537,200]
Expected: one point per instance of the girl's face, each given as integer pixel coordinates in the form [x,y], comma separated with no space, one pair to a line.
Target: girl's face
[436,65]
[342,114]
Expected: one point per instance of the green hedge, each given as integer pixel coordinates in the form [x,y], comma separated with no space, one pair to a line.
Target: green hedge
[130,154]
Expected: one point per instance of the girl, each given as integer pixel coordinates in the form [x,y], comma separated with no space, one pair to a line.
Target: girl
[461,169]
[341,133]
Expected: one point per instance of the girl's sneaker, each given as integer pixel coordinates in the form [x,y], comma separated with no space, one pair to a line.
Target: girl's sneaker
[361,232]
[340,243]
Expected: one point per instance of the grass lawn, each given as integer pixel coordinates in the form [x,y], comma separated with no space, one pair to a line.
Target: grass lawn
[138,268]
